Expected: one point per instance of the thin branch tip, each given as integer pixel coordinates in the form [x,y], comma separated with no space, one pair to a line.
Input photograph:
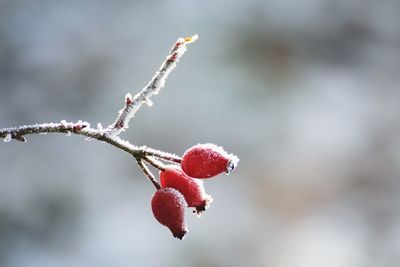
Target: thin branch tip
[133,104]
[148,173]
[191,39]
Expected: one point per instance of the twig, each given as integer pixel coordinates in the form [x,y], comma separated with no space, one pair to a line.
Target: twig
[132,105]
[148,173]
[83,128]
[110,134]
[80,128]
[155,163]
[62,127]
[161,154]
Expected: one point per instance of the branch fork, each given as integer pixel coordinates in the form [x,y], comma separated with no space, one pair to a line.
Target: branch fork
[110,134]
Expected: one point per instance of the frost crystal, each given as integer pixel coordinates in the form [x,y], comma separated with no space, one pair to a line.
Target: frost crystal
[99,127]
[128,99]
[64,123]
[7,138]
[148,102]
[193,38]
[132,104]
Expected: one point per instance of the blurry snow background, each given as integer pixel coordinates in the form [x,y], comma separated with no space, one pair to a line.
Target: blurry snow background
[305,92]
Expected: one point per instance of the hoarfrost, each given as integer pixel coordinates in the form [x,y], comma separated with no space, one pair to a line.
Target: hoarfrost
[132,104]
[161,83]
[194,38]
[7,138]
[128,99]
[213,152]
[148,102]
[64,123]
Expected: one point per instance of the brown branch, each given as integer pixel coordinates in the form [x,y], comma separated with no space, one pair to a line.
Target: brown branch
[133,104]
[18,133]
[161,154]
[155,163]
[110,134]
[83,128]
[148,173]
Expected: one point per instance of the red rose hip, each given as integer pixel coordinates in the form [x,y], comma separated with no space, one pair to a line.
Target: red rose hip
[192,189]
[207,160]
[168,206]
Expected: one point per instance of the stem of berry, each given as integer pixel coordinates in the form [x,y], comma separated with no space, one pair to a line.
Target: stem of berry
[155,163]
[162,155]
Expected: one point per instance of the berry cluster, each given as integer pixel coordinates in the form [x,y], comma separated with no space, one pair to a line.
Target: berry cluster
[181,186]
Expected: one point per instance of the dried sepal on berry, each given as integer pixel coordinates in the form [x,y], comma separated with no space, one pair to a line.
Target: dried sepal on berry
[207,160]
[192,189]
[168,206]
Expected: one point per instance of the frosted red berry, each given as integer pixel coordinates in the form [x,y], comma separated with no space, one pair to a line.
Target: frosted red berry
[207,160]
[192,189]
[168,206]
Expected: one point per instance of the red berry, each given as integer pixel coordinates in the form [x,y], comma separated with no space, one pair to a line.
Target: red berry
[192,189]
[207,160]
[168,206]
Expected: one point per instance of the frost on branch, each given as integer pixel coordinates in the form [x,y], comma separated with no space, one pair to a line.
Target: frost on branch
[7,138]
[132,104]
[178,186]
[18,133]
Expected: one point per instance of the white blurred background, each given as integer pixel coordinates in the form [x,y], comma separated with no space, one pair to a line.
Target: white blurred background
[305,92]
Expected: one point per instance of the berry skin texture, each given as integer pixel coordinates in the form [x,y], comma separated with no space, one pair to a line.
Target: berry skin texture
[192,189]
[207,160]
[168,206]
